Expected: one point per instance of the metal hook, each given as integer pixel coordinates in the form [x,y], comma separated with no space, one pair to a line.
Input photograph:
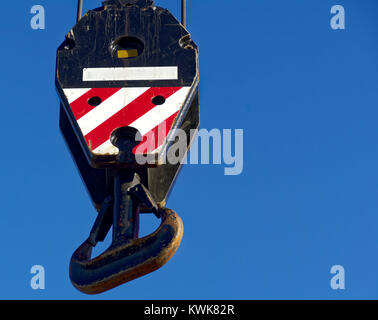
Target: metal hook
[128,257]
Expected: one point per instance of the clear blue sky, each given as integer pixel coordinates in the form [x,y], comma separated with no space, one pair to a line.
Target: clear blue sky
[307,99]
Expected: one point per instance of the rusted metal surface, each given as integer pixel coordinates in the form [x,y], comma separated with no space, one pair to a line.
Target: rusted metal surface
[126,262]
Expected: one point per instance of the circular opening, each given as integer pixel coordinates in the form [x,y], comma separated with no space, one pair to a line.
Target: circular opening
[158,100]
[133,46]
[94,101]
[123,137]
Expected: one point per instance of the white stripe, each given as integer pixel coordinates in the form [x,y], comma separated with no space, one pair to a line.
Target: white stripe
[157,115]
[126,74]
[109,108]
[106,148]
[151,119]
[74,94]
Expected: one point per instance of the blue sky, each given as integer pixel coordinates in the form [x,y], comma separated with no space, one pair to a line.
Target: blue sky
[306,97]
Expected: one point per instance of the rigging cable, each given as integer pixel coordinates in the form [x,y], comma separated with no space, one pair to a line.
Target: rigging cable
[183,12]
[79,10]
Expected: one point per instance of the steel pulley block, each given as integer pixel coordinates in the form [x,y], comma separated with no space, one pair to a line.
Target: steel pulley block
[127,78]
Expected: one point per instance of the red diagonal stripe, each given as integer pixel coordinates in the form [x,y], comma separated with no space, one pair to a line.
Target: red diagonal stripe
[80,107]
[127,115]
[156,137]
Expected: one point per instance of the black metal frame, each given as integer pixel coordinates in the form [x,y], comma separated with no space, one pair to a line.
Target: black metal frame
[183,11]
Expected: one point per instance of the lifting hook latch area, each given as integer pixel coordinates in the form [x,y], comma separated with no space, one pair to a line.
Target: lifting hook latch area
[128,257]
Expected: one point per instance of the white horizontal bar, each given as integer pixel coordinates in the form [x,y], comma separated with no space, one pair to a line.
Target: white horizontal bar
[127,74]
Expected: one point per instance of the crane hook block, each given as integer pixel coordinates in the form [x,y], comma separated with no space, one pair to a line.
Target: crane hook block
[128,63]
[127,78]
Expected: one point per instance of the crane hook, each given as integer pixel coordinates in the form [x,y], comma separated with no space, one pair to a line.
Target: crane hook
[128,257]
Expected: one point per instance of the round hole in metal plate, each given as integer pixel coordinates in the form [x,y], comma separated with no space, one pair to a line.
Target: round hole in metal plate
[127,47]
[158,100]
[94,101]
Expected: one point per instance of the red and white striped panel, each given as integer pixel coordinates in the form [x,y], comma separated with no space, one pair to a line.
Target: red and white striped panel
[122,107]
